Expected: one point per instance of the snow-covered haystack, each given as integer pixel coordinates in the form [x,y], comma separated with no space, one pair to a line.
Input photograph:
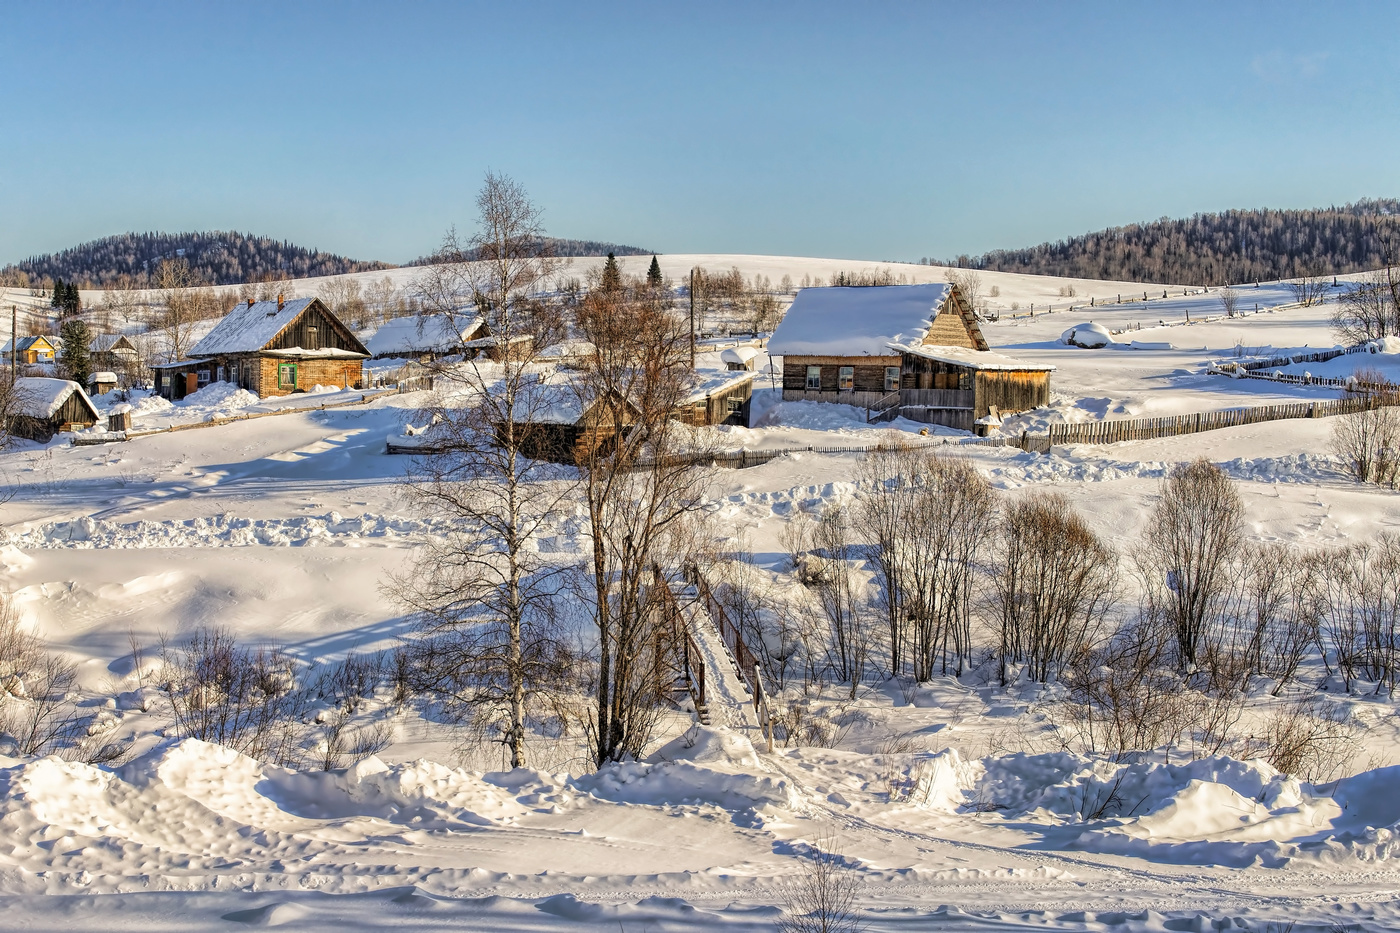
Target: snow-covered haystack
[1088,336]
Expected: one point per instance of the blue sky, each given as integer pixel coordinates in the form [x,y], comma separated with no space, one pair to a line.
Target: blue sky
[873,131]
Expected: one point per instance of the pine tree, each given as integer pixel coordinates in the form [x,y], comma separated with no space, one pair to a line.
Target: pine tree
[654,273]
[612,275]
[74,338]
[59,293]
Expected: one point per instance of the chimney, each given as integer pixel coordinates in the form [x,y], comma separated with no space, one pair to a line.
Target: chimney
[279,302]
[250,302]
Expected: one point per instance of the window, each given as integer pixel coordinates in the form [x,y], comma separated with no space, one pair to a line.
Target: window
[313,338]
[735,404]
[202,376]
[220,376]
[891,378]
[846,380]
[165,382]
[814,377]
[286,375]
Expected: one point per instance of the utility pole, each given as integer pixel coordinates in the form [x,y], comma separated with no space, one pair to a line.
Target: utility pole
[692,316]
[14,343]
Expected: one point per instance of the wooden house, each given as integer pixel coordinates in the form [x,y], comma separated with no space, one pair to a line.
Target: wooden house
[838,345]
[270,348]
[31,350]
[835,342]
[44,407]
[556,423]
[114,351]
[426,337]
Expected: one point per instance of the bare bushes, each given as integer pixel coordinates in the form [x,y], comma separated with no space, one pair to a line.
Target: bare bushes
[1368,441]
[1358,604]
[1188,554]
[925,517]
[1309,738]
[1053,583]
[821,896]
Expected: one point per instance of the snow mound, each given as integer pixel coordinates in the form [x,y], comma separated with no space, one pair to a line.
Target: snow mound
[710,745]
[222,395]
[1088,336]
[680,783]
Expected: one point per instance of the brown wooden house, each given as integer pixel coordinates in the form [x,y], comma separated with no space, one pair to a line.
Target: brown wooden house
[557,424]
[718,397]
[44,407]
[270,348]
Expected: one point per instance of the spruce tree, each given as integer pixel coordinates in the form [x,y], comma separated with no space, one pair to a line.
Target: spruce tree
[74,338]
[59,293]
[612,275]
[654,273]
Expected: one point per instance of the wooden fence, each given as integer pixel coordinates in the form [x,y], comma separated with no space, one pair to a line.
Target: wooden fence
[729,633]
[1141,429]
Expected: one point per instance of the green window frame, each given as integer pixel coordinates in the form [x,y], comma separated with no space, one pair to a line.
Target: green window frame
[286,375]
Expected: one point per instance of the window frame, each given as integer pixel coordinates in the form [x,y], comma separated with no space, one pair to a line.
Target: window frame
[892,377]
[846,379]
[814,378]
[286,367]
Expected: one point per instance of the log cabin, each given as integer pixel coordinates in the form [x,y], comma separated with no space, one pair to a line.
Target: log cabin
[912,350]
[426,337]
[717,397]
[43,407]
[270,348]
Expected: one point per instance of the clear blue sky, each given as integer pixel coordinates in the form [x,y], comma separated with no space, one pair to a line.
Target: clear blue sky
[877,131]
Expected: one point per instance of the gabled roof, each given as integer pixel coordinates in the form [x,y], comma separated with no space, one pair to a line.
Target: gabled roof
[857,320]
[104,343]
[27,343]
[249,328]
[41,397]
[414,335]
[972,359]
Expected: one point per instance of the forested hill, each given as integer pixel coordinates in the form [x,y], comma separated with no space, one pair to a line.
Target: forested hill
[1214,249]
[559,246]
[215,258]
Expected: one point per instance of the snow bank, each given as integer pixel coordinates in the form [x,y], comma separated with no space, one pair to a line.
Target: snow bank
[1088,336]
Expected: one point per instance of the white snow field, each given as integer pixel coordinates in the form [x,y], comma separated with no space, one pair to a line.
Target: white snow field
[955,804]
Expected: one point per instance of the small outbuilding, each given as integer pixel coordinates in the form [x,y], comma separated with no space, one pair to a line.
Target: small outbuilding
[100,383]
[718,397]
[270,348]
[739,359]
[555,422]
[44,407]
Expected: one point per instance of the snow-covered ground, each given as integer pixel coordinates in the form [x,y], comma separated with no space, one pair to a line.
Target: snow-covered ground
[954,802]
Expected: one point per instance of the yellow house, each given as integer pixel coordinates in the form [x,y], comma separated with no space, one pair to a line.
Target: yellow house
[31,350]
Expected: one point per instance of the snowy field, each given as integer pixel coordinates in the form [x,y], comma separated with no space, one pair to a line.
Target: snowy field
[954,802]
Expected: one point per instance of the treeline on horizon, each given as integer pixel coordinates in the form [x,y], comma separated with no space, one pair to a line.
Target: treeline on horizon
[1230,247]
[219,257]
[567,248]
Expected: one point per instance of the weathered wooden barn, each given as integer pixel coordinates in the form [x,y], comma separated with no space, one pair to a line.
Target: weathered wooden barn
[102,382]
[958,387]
[270,348]
[44,407]
[31,350]
[901,350]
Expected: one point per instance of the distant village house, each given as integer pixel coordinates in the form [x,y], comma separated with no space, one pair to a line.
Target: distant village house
[31,350]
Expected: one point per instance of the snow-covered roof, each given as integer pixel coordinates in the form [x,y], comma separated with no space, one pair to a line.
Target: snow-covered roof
[708,382]
[481,343]
[104,343]
[180,364]
[738,355]
[857,320]
[972,359]
[250,327]
[412,335]
[42,397]
[103,377]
